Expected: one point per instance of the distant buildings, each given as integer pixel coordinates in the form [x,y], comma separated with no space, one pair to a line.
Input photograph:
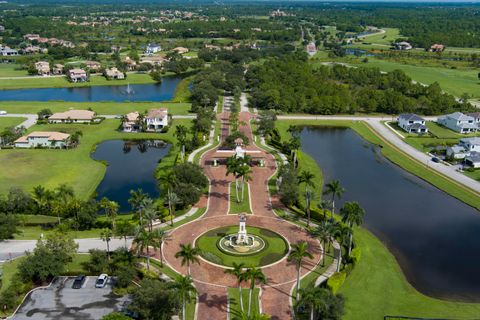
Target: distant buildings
[7,51]
[436,48]
[180,50]
[77,75]
[459,122]
[72,116]
[43,68]
[93,66]
[403,45]
[43,139]
[153,60]
[412,123]
[152,48]
[311,48]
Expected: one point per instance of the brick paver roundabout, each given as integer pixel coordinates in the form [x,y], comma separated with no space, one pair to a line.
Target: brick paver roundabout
[210,280]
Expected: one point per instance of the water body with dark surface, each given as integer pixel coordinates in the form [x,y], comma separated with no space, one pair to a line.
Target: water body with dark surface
[141,92]
[131,165]
[435,237]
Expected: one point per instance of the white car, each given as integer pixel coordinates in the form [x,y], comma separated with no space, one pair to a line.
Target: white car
[3,112]
[101,281]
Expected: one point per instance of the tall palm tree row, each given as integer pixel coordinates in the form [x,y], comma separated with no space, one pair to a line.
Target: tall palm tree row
[111,210]
[186,291]
[233,166]
[106,235]
[306,177]
[336,190]
[254,275]
[352,214]
[143,241]
[297,254]
[241,275]
[189,255]
[160,236]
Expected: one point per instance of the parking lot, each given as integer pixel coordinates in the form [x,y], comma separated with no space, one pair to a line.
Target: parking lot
[60,301]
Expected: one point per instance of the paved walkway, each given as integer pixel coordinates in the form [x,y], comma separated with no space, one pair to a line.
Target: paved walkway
[376,123]
[210,280]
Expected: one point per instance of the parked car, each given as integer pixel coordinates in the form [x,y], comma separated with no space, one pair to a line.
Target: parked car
[435,159]
[3,112]
[101,280]
[78,282]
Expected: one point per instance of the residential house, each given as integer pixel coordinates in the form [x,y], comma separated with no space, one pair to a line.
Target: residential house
[471,144]
[412,123]
[114,73]
[464,148]
[7,51]
[93,66]
[473,160]
[403,45]
[458,122]
[156,119]
[57,69]
[180,50]
[436,48]
[33,50]
[43,139]
[457,152]
[31,37]
[212,47]
[311,48]
[476,117]
[153,60]
[43,68]
[130,122]
[152,48]
[130,64]
[72,116]
[77,75]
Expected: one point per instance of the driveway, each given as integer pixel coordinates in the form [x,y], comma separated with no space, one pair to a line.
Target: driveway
[60,301]
[30,121]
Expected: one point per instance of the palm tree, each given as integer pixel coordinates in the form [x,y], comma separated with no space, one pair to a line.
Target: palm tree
[335,189]
[307,177]
[341,233]
[181,134]
[244,172]
[325,205]
[160,236]
[111,209]
[238,272]
[172,200]
[136,199]
[352,214]
[186,290]
[254,275]
[242,315]
[233,165]
[106,235]
[144,204]
[150,213]
[63,194]
[124,229]
[298,253]
[168,180]
[322,233]
[312,297]
[143,241]
[43,198]
[189,255]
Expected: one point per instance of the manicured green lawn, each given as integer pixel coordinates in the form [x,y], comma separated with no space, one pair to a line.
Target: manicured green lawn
[102,108]
[234,298]
[31,167]
[11,70]
[9,122]
[182,92]
[53,82]
[275,249]
[390,35]
[454,81]
[377,287]
[34,232]
[237,207]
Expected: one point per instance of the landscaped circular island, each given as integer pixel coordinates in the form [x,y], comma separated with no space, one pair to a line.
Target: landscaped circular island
[263,248]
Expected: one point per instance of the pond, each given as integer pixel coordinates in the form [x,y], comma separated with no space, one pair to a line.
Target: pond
[131,165]
[134,92]
[435,237]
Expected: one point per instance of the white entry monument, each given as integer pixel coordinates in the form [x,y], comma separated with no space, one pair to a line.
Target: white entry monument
[242,231]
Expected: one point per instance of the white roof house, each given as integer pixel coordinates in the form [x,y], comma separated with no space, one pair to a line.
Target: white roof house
[77,75]
[412,123]
[43,139]
[458,122]
[156,119]
[152,48]
[80,116]
[403,45]
[473,160]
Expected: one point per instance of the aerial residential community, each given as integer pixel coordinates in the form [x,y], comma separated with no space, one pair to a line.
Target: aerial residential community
[239,160]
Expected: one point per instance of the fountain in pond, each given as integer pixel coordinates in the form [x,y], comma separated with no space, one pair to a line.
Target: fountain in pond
[242,242]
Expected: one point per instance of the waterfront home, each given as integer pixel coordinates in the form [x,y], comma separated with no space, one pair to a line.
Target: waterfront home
[43,139]
[72,116]
[180,50]
[152,48]
[7,51]
[57,69]
[458,122]
[93,66]
[77,75]
[412,123]
[114,73]
[156,119]
[403,45]
[131,123]
[43,68]
[473,160]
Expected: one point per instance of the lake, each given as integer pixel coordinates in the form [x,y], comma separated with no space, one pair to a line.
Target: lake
[131,165]
[141,92]
[435,237]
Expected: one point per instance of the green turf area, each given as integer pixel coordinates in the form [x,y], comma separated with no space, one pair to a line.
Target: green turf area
[55,82]
[11,70]
[31,167]
[276,247]
[376,287]
[396,156]
[102,108]
[234,299]
[454,81]
[182,91]
[34,232]
[237,206]
[390,35]
[9,122]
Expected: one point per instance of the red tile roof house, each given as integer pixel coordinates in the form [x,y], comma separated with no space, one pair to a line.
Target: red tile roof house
[43,139]
[93,66]
[72,116]
[437,48]
[43,68]
[77,75]
[130,122]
